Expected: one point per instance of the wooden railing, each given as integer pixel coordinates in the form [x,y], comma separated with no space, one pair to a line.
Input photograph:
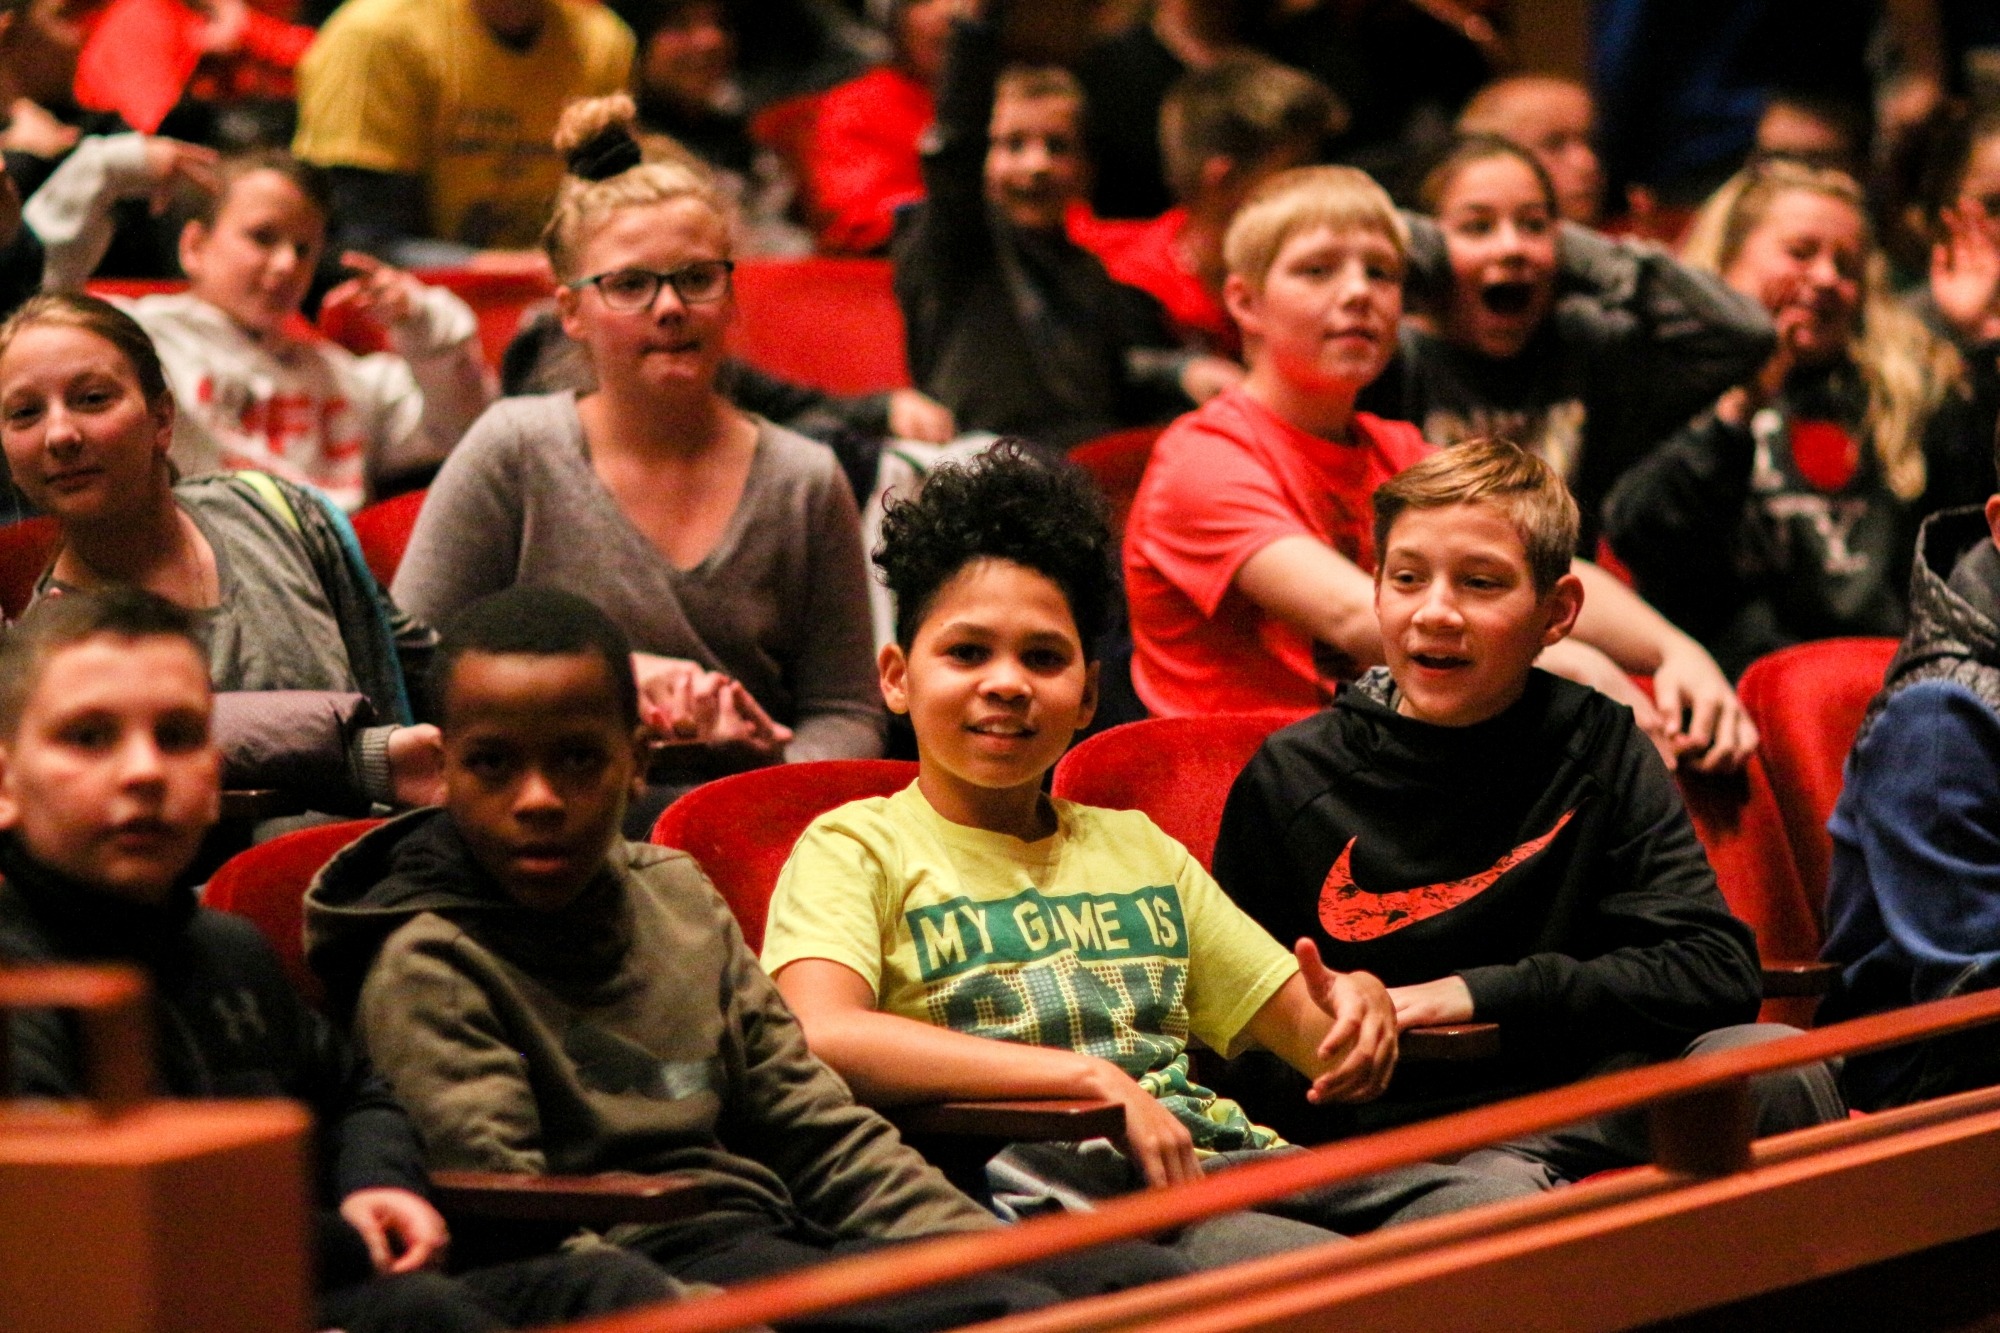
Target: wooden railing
[1699,1110]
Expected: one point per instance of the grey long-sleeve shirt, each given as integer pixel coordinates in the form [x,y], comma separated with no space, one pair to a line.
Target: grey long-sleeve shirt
[780,603]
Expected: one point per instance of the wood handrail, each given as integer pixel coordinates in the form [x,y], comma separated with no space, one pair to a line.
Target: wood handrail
[951,1258]
[110,1005]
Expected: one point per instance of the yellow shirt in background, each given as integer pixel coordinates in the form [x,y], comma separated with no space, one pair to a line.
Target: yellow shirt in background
[1107,938]
[423,87]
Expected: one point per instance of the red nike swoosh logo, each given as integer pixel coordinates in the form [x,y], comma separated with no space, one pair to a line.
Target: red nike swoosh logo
[1353,915]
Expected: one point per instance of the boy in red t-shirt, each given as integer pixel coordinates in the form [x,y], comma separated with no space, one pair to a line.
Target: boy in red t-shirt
[1248,552]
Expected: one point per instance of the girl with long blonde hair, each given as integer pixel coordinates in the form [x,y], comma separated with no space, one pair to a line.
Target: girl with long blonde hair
[1789,511]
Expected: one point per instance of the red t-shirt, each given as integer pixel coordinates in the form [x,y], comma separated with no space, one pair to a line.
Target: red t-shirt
[1144,255]
[1225,481]
[862,160]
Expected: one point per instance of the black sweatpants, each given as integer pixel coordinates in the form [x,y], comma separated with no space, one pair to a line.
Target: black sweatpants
[553,1289]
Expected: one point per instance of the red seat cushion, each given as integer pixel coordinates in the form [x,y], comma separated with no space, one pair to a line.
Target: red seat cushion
[831,323]
[1116,462]
[384,532]
[741,828]
[1807,702]
[1178,770]
[268,883]
[25,551]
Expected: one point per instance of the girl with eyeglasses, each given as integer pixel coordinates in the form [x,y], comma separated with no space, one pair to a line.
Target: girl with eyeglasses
[727,548]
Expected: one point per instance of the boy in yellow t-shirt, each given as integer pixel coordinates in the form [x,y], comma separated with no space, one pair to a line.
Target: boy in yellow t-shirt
[969,937]
[434,117]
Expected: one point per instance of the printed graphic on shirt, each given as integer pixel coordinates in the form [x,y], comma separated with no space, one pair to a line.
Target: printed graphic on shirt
[1553,434]
[1099,973]
[1352,914]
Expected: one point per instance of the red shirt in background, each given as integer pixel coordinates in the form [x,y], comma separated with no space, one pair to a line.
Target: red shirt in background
[861,159]
[1144,254]
[1225,481]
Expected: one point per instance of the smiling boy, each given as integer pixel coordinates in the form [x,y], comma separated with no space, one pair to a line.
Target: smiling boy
[969,937]
[547,997]
[1248,551]
[108,780]
[1495,843]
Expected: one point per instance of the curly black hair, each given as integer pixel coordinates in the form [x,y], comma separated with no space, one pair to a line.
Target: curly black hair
[1003,505]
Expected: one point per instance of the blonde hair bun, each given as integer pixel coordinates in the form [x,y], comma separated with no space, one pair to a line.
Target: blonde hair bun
[597,137]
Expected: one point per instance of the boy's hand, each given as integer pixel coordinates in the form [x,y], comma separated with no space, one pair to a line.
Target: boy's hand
[1704,720]
[382,292]
[416,765]
[916,416]
[403,1232]
[1154,1138]
[1446,1000]
[1360,1047]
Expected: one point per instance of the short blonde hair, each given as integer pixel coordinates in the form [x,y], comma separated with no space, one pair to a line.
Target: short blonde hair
[669,172]
[1495,472]
[1343,198]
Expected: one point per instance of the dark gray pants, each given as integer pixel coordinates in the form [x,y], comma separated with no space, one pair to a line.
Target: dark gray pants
[1790,1099]
[529,1294]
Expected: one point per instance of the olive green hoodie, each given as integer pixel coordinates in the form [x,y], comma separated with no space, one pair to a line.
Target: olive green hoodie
[630,1031]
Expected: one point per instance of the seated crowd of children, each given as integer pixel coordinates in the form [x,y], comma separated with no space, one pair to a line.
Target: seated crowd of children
[1444,482]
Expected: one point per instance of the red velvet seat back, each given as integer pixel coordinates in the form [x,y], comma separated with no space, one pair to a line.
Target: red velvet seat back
[831,323]
[1116,462]
[1741,828]
[1176,769]
[1807,702]
[268,883]
[384,531]
[25,551]
[741,828]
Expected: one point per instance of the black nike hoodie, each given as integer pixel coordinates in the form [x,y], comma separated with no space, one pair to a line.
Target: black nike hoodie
[1543,855]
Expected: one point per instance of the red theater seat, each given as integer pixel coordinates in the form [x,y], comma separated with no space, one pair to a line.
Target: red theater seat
[1117,462]
[1741,828]
[1807,702]
[741,828]
[25,551]
[831,323]
[1176,769]
[384,531]
[268,883]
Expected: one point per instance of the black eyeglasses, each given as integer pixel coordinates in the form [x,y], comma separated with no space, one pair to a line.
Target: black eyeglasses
[637,288]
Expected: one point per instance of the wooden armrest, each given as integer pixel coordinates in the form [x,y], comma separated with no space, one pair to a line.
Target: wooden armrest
[257,803]
[1807,978]
[1033,1121]
[591,1201]
[1451,1041]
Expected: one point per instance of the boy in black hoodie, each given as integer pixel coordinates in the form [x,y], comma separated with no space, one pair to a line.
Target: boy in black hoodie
[1494,843]
[108,780]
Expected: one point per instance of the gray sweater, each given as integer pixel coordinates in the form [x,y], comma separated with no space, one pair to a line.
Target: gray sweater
[780,604]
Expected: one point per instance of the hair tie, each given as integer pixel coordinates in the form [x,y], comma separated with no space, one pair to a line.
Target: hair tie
[607,153]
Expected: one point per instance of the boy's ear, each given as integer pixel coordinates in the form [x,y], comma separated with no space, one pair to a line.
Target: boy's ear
[1993,517]
[1562,605]
[642,758]
[10,807]
[566,301]
[194,236]
[1087,707]
[893,668]
[1241,300]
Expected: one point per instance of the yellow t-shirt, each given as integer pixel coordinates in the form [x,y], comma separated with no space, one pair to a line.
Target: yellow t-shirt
[1106,938]
[423,87]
